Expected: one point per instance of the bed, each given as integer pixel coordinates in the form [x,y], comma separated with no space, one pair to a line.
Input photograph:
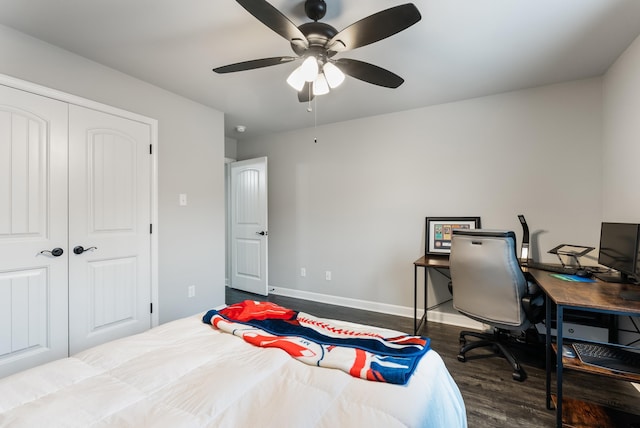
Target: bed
[189,374]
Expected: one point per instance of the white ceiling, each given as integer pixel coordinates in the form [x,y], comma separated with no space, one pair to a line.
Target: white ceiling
[460,49]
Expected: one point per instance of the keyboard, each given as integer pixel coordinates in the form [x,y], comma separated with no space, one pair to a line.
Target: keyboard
[608,357]
[567,270]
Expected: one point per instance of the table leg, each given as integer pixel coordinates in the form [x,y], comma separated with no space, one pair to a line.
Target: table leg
[425,294]
[548,349]
[415,300]
[559,318]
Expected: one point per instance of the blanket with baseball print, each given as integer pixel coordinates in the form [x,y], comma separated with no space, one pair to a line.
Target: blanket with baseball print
[362,351]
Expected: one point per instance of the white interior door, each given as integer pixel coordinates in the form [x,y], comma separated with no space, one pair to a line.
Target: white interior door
[109,217]
[33,219]
[249,238]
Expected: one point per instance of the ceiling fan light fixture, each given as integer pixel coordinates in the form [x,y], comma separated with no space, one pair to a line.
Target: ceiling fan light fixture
[296,79]
[315,43]
[310,68]
[320,85]
[333,74]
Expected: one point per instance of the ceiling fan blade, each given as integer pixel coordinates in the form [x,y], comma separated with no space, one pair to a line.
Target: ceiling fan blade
[274,19]
[306,93]
[375,27]
[369,73]
[253,64]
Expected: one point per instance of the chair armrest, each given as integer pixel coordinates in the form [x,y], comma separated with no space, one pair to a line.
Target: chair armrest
[534,306]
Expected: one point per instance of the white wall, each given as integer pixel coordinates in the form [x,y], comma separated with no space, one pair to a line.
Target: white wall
[191,156]
[230,148]
[355,202]
[621,149]
[621,141]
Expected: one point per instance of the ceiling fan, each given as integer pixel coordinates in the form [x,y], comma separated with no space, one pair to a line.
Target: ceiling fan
[316,43]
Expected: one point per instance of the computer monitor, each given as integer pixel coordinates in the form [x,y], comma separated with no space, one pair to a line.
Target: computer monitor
[619,245]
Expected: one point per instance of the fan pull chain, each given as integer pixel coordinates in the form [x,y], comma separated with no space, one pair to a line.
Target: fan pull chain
[309,109]
[315,113]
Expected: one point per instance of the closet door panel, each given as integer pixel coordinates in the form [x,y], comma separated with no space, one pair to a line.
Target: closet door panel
[112,285]
[33,221]
[23,309]
[109,216]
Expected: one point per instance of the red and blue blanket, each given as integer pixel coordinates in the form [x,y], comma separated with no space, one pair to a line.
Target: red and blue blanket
[362,351]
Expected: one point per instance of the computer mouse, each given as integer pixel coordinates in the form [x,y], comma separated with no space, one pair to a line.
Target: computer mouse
[583,273]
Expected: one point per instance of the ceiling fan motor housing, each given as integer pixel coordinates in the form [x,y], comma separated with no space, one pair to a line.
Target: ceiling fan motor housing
[315,9]
[317,33]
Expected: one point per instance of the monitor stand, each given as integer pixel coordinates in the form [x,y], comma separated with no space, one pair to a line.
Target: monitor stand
[632,295]
[610,277]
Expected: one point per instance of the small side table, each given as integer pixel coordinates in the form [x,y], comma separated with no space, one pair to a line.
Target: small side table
[426,262]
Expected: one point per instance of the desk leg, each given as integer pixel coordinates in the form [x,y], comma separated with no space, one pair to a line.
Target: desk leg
[426,271]
[423,319]
[548,349]
[415,300]
[559,327]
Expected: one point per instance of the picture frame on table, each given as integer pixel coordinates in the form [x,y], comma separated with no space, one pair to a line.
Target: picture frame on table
[439,229]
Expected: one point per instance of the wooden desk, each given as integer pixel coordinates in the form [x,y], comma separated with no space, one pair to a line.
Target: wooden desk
[426,262]
[596,296]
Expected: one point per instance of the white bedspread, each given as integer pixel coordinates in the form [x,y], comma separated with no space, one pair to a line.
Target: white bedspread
[187,374]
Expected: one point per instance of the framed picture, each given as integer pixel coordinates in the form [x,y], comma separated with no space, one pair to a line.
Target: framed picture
[439,230]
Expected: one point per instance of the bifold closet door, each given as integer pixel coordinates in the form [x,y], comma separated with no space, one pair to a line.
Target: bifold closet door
[33,230]
[109,222]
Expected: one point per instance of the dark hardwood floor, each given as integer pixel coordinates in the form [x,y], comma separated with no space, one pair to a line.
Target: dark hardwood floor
[492,398]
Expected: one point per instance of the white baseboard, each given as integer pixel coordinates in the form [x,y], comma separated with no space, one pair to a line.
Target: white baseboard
[440,316]
[456,319]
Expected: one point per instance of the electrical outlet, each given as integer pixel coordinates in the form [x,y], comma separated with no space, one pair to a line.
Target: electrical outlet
[182,199]
[303,272]
[327,275]
[191,291]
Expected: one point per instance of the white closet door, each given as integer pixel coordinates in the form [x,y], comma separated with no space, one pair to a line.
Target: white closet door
[110,217]
[249,238]
[33,218]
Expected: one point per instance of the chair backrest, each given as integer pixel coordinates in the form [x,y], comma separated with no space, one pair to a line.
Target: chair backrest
[488,283]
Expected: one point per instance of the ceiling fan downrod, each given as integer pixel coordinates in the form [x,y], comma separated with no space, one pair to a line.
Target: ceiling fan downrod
[315,9]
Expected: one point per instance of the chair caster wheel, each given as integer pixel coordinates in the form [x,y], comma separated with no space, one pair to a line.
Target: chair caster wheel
[462,358]
[520,376]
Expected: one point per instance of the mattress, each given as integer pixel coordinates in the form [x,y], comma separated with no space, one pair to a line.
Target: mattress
[188,374]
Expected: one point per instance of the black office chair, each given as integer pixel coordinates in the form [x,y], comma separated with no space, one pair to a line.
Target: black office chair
[490,287]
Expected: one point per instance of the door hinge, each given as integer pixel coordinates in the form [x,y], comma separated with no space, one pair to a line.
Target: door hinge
[150,149]
[151,307]
[150,228]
